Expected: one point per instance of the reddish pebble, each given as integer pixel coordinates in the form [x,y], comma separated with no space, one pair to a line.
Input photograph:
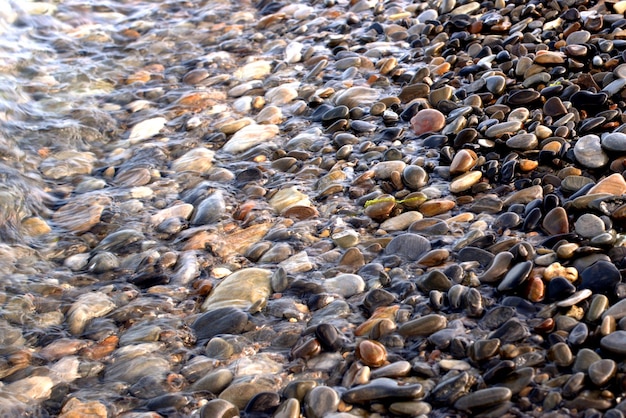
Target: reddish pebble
[428,120]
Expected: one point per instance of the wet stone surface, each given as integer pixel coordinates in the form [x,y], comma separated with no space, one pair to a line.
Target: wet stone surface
[318,209]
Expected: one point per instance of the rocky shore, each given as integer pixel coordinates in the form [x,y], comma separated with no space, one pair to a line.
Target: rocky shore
[324,209]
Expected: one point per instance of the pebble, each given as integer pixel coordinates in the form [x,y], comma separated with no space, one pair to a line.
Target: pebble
[614,142]
[589,152]
[589,225]
[356,96]
[614,342]
[602,371]
[409,246]
[242,289]
[427,120]
[249,136]
[382,389]
[482,399]
[345,285]
[423,326]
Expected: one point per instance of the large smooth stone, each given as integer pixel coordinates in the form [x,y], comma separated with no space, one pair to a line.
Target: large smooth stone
[614,142]
[428,120]
[356,96]
[249,136]
[198,159]
[345,285]
[408,246]
[225,320]
[483,398]
[589,152]
[380,389]
[242,289]
[615,342]
[600,277]
[423,326]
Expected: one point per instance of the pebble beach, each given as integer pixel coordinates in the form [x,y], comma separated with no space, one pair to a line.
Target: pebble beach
[318,209]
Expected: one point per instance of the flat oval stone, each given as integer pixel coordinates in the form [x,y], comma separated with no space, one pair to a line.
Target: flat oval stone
[409,246]
[414,177]
[554,107]
[602,371]
[495,84]
[502,128]
[436,207]
[571,299]
[465,181]
[586,99]
[615,342]
[614,141]
[225,320]
[321,401]
[483,398]
[523,97]
[617,311]
[356,96]
[584,359]
[385,169]
[438,95]
[589,152]
[402,221]
[423,326]
[430,226]
[589,225]
[218,408]
[561,354]
[242,290]
[579,37]
[434,280]
[550,58]
[381,389]
[345,285]
[523,142]
[463,161]
[614,184]
[524,196]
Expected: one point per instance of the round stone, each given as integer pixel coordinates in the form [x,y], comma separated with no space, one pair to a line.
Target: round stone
[589,225]
[427,120]
[584,359]
[321,401]
[614,141]
[561,354]
[589,152]
[602,371]
[495,84]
